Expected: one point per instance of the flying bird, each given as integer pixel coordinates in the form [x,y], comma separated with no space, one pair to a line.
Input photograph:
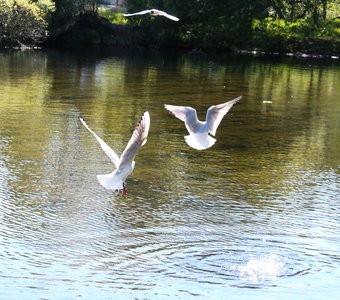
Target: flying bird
[153,12]
[124,164]
[201,134]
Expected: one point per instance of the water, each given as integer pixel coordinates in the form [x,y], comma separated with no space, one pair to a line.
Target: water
[257,215]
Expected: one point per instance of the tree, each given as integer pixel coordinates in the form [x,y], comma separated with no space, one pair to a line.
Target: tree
[210,23]
[293,10]
[24,21]
[67,9]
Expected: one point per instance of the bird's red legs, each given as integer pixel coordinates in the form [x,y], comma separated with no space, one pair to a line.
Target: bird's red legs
[124,189]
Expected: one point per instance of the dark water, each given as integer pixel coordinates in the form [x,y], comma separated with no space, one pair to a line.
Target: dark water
[257,215]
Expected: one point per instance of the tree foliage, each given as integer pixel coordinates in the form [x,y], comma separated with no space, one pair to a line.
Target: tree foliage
[211,23]
[66,9]
[214,24]
[24,21]
[299,25]
[230,23]
[293,10]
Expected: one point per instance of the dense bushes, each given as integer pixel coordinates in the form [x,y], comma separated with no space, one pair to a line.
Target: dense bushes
[280,26]
[114,18]
[278,35]
[205,23]
[68,9]
[23,21]
[269,25]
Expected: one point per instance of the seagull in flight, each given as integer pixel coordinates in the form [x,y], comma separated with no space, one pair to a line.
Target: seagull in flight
[201,134]
[153,12]
[124,164]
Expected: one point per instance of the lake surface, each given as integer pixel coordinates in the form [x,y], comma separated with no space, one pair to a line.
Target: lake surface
[256,216]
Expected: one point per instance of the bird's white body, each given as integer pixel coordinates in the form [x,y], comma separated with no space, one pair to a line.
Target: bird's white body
[116,179]
[124,164]
[201,133]
[153,12]
[200,141]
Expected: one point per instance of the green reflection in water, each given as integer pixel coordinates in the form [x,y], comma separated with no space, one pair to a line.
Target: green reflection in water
[275,165]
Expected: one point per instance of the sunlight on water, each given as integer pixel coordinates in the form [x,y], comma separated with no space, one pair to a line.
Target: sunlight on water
[254,216]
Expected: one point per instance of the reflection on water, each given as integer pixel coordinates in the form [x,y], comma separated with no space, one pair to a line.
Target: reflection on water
[256,215]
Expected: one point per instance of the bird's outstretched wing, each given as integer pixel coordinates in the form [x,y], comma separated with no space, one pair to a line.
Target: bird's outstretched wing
[164,14]
[216,113]
[143,12]
[186,114]
[137,140]
[109,152]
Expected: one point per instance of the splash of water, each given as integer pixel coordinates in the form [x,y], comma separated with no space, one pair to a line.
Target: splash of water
[260,269]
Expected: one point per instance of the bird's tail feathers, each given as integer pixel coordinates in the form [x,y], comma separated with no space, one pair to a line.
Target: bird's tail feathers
[110,182]
[200,142]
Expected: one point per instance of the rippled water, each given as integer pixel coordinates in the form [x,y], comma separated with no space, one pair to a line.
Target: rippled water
[257,215]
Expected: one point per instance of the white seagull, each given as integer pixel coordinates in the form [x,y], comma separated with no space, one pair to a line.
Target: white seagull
[201,134]
[153,12]
[125,164]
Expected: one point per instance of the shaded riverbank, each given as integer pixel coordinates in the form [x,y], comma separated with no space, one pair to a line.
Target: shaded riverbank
[90,29]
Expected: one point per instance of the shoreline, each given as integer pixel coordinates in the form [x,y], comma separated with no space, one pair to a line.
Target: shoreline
[191,51]
[91,30]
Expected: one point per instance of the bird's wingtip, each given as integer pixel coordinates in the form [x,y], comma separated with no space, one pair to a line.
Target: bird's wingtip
[168,108]
[146,116]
